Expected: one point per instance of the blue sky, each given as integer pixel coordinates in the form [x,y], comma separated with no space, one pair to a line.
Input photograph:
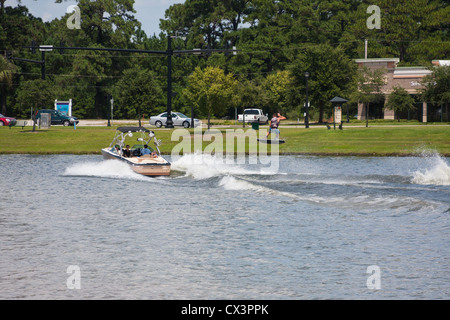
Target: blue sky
[148,12]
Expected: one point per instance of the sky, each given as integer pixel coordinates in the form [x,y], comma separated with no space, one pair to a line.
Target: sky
[148,12]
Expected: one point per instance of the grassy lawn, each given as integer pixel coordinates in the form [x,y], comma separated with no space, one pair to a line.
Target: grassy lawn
[367,141]
[375,140]
[55,140]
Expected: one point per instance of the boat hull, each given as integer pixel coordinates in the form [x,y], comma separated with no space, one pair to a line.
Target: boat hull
[144,166]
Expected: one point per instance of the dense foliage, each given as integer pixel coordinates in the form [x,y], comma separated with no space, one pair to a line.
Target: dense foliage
[277,41]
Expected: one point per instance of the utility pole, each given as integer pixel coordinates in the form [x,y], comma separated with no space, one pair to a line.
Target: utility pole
[306,104]
[112,109]
[43,65]
[365,48]
[43,49]
[169,122]
[33,47]
[169,52]
[110,98]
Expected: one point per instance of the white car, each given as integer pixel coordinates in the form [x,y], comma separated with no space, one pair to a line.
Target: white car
[178,119]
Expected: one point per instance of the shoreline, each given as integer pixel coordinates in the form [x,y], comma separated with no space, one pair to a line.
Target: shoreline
[315,154]
[286,124]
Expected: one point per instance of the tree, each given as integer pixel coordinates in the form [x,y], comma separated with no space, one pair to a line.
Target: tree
[276,88]
[399,100]
[36,94]
[407,30]
[91,71]
[251,94]
[437,87]
[17,28]
[6,75]
[405,22]
[110,23]
[272,37]
[209,22]
[211,91]
[331,74]
[137,92]
[369,84]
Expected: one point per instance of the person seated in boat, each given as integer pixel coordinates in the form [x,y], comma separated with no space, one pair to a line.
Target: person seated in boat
[145,151]
[154,154]
[126,152]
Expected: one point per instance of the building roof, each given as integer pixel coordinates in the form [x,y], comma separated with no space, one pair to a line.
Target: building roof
[396,60]
[338,100]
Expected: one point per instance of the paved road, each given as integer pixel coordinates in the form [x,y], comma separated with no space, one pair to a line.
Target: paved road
[91,122]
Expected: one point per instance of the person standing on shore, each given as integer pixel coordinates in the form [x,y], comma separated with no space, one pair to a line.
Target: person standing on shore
[274,122]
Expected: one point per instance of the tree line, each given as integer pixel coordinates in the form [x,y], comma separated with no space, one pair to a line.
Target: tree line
[277,42]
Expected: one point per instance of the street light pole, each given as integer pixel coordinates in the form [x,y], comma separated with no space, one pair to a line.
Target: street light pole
[169,52]
[306,105]
[169,122]
[43,65]
[43,49]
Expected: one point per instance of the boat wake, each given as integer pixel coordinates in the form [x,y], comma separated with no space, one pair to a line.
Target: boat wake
[312,181]
[405,184]
[204,166]
[104,169]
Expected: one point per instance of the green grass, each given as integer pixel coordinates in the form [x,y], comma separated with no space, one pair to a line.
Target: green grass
[55,140]
[375,140]
[367,141]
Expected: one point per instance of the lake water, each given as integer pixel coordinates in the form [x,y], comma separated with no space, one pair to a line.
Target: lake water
[80,227]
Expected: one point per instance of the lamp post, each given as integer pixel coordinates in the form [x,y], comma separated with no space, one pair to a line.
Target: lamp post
[169,52]
[169,122]
[306,105]
[43,49]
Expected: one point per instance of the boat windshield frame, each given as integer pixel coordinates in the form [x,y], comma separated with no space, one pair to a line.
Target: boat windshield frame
[124,132]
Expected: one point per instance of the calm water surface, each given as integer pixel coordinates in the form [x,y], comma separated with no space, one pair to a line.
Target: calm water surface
[212,230]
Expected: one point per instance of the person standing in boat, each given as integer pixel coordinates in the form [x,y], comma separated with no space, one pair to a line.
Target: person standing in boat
[274,122]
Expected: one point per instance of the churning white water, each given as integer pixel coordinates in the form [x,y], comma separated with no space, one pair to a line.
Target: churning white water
[106,169]
[437,172]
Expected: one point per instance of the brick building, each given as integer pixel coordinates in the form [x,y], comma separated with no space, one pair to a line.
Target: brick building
[408,78]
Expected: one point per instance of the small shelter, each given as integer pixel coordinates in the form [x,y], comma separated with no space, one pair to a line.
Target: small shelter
[338,101]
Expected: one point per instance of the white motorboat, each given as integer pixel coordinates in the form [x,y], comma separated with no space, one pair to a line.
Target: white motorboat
[152,164]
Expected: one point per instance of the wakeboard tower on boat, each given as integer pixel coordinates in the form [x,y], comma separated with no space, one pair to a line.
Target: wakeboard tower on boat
[150,164]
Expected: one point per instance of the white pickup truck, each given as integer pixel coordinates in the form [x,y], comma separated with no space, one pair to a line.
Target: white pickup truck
[253,115]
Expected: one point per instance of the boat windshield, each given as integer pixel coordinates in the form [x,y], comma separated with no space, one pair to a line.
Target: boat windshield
[141,146]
